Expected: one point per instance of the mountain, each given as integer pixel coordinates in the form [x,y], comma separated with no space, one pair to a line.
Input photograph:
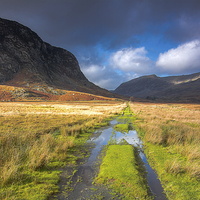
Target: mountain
[185,88]
[28,62]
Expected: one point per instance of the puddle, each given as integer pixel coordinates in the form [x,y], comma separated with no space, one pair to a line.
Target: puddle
[103,137]
[84,189]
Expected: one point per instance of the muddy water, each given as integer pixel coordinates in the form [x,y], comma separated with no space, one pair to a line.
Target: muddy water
[131,138]
[82,190]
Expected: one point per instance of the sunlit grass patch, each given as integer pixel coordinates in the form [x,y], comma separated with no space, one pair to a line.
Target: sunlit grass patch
[36,185]
[34,144]
[171,137]
[123,127]
[119,170]
[125,121]
[173,172]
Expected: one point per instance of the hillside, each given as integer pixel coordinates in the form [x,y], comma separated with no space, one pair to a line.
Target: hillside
[185,88]
[31,64]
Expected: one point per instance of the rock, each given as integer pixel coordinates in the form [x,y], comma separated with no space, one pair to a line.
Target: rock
[26,60]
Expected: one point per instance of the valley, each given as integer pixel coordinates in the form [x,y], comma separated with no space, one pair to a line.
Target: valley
[63,137]
[46,144]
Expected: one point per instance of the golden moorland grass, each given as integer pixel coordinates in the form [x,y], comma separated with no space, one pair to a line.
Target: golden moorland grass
[32,135]
[170,124]
[171,133]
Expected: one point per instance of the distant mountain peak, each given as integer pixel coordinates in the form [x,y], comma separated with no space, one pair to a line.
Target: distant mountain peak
[185,88]
[151,76]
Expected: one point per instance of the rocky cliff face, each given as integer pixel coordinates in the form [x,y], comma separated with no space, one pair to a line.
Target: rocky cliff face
[27,61]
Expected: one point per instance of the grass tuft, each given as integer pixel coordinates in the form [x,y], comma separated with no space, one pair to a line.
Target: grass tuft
[119,170]
[36,138]
[171,137]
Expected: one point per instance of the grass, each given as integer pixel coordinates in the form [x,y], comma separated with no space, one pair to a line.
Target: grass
[37,138]
[120,171]
[125,121]
[173,172]
[121,168]
[170,133]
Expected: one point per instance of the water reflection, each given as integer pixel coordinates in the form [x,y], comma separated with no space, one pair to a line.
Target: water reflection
[100,141]
[102,138]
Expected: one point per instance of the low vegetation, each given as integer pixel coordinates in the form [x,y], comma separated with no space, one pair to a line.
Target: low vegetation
[121,172]
[45,93]
[122,169]
[36,138]
[171,136]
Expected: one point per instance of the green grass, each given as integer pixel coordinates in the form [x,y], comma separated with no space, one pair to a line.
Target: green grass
[125,121]
[177,170]
[123,127]
[37,185]
[171,139]
[120,171]
[34,147]
[121,168]
[171,169]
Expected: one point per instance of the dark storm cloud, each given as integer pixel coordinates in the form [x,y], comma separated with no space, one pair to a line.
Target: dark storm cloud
[93,30]
[184,29]
[112,22]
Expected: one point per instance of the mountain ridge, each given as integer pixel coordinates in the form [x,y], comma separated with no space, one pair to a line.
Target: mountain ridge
[183,88]
[29,62]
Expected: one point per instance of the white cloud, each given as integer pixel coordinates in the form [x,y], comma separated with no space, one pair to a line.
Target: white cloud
[93,72]
[131,60]
[122,66]
[101,76]
[183,59]
[106,83]
[130,76]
